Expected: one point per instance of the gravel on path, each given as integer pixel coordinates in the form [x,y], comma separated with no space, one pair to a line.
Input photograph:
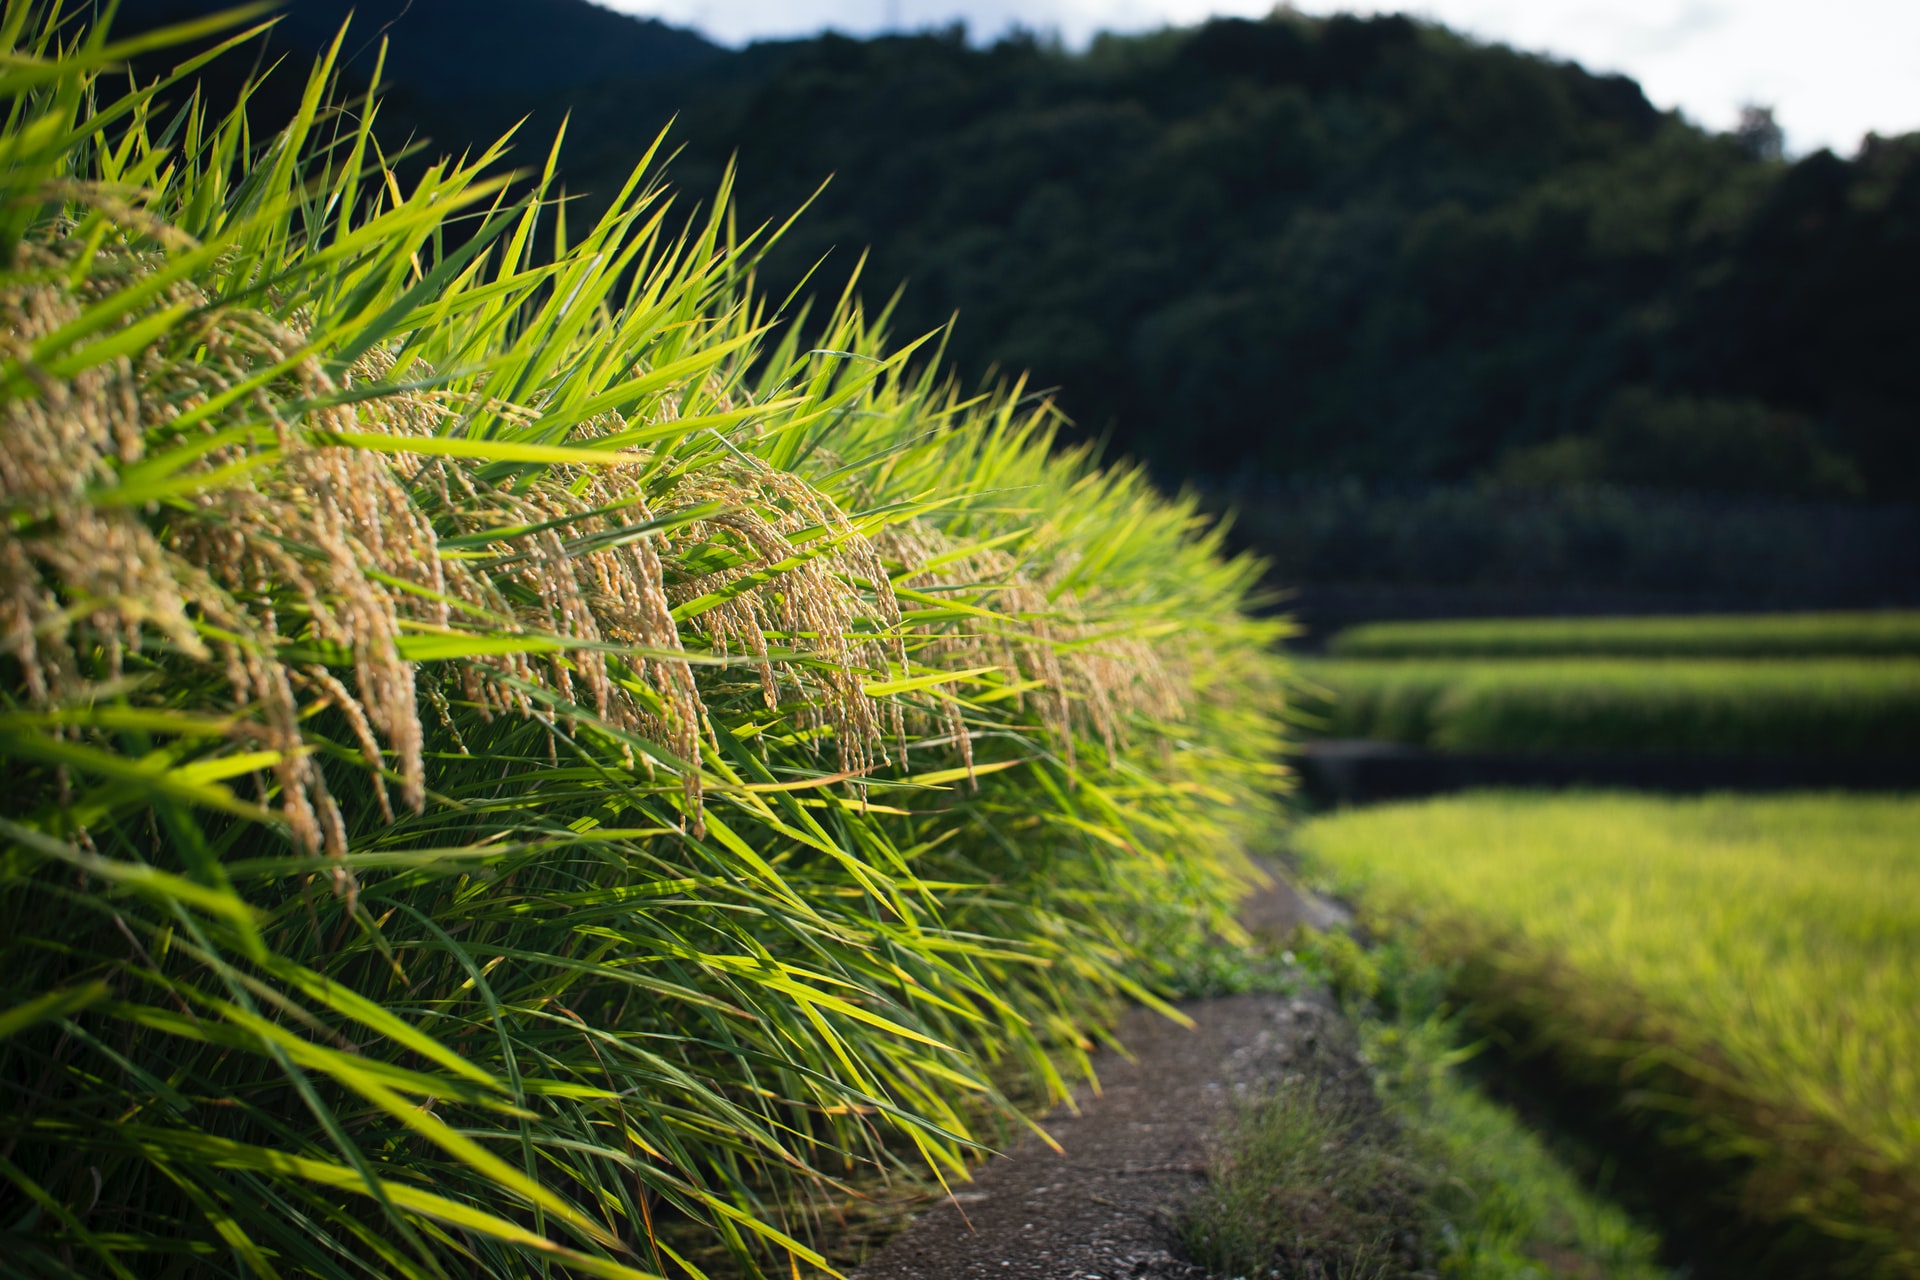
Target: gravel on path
[1104,1207]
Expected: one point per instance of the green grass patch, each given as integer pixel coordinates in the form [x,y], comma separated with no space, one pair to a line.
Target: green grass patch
[1388,1163]
[1742,972]
[1815,706]
[1761,635]
[1508,1207]
[1310,1179]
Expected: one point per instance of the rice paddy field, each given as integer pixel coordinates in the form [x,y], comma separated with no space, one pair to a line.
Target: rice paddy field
[1712,706]
[524,758]
[1884,633]
[1745,971]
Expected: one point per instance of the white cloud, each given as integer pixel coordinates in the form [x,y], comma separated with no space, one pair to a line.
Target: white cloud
[1832,71]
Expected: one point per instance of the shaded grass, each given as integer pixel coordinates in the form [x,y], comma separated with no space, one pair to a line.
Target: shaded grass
[1506,1205]
[1379,1159]
[1308,1180]
[1814,706]
[1763,635]
[1739,972]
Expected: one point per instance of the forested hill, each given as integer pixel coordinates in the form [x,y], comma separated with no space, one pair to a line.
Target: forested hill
[458,52]
[1293,247]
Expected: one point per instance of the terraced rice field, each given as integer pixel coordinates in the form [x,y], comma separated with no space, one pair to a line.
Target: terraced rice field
[1749,965]
[1780,635]
[1724,706]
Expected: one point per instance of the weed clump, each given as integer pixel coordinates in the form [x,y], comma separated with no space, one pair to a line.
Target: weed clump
[1311,1178]
[1373,1156]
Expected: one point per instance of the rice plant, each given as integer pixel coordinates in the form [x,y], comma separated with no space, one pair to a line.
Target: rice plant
[1813,706]
[1883,633]
[1740,970]
[522,757]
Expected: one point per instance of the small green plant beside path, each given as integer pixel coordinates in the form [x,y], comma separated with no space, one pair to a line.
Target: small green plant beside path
[1372,1157]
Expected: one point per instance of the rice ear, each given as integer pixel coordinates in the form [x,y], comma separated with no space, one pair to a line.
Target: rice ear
[447,556]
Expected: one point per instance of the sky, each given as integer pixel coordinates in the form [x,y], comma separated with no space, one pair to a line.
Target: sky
[1832,70]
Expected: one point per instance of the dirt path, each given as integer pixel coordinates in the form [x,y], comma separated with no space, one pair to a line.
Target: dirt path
[1103,1208]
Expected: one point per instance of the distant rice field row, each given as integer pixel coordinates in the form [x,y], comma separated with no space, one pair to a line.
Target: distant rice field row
[1813,706]
[1750,966]
[1790,635]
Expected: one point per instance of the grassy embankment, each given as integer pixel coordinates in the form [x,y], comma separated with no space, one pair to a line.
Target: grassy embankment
[1742,972]
[1766,635]
[515,759]
[1810,706]
[1376,1159]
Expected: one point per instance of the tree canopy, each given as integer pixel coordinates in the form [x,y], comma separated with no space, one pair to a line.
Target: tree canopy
[1295,247]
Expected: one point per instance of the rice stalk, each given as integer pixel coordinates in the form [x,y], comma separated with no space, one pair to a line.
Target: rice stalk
[518,763]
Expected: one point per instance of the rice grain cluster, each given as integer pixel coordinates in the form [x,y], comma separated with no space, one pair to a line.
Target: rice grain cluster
[520,760]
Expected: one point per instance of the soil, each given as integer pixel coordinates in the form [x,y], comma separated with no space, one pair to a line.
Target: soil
[1105,1206]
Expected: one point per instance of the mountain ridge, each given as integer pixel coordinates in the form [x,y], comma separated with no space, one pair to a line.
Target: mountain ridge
[450,49]
[1291,247]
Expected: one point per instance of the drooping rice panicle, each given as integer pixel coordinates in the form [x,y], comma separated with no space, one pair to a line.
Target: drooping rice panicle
[517,762]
